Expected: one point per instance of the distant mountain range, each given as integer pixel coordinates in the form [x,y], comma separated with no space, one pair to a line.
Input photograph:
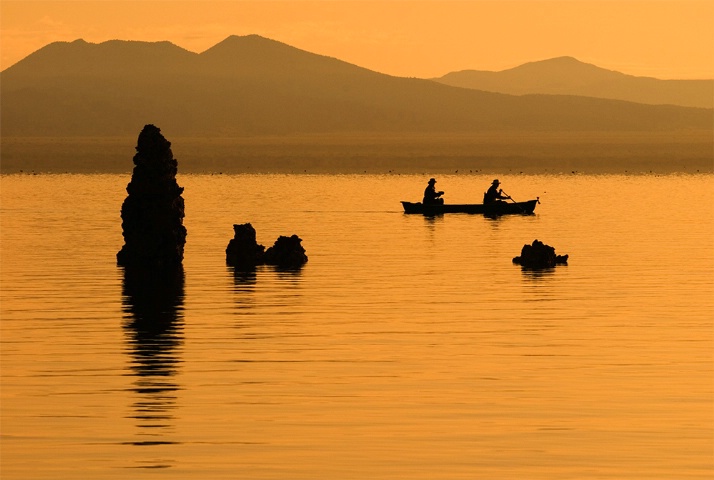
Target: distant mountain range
[253,85]
[568,76]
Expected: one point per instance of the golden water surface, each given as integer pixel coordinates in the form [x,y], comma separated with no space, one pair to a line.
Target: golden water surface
[408,347]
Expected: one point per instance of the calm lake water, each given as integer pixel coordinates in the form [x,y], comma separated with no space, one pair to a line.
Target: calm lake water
[407,348]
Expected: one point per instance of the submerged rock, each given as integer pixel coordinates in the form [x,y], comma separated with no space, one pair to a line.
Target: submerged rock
[539,255]
[287,252]
[243,251]
[152,214]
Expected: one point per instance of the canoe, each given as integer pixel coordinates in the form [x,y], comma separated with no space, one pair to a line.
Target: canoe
[495,209]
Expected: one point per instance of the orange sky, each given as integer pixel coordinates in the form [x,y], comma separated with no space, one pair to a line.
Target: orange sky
[659,38]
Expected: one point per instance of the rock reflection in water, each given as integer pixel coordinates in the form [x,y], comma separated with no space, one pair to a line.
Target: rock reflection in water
[153,307]
[243,279]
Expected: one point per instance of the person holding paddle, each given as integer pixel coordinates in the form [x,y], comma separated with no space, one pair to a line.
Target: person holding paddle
[431,196]
[494,193]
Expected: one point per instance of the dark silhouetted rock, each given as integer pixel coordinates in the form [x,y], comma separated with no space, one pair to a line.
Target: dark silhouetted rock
[243,251]
[152,214]
[539,255]
[287,252]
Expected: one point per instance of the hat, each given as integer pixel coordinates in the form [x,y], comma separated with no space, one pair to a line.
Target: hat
[432,180]
[496,182]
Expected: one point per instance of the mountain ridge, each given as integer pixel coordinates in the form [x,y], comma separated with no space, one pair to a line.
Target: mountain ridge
[249,85]
[570,76]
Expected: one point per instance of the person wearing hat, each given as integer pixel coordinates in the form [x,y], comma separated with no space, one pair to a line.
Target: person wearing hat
[494,193]
[431,196]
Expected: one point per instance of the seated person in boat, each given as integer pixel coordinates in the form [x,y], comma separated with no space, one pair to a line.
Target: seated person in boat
[494,194]
[431,196]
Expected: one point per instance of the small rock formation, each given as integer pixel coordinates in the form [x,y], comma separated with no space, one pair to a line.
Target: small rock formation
[243,251]
[538,256]
[152,214]
[287,252]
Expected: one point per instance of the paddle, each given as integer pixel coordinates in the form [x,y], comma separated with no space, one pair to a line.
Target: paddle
[511,199]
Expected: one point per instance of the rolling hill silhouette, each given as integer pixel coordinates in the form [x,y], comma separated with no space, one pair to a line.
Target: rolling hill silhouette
[568,76]
[253,85]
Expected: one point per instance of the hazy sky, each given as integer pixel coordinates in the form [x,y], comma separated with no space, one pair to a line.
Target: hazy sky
[660,38]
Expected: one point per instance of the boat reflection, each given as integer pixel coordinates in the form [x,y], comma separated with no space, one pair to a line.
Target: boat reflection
[153,325]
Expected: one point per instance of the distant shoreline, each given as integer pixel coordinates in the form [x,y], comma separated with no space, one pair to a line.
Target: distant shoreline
[497,153]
